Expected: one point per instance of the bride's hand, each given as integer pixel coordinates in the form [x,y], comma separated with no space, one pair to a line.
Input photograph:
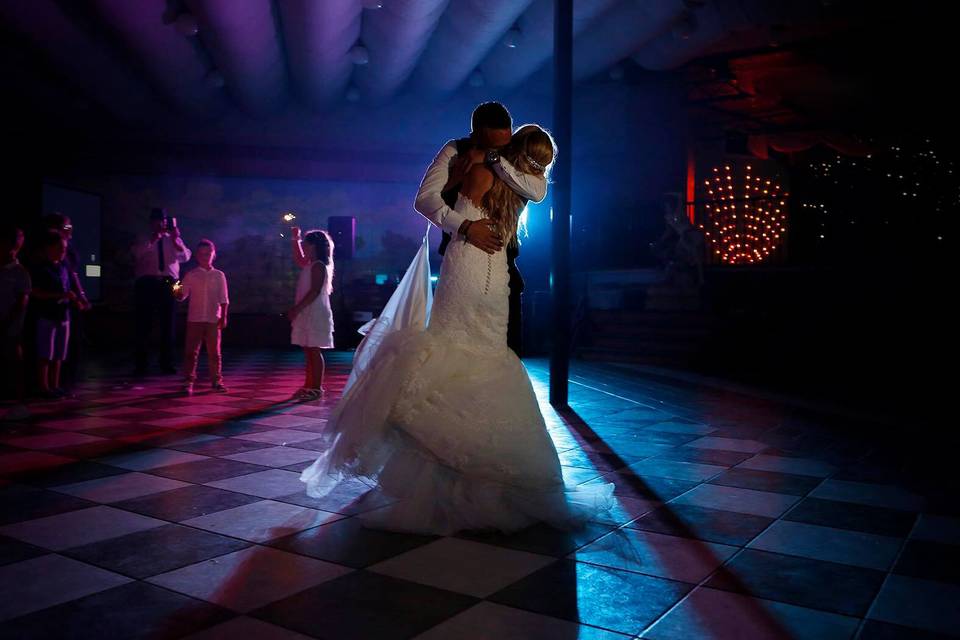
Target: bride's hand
[485,236]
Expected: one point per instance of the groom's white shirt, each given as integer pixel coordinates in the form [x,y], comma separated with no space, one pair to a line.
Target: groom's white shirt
[430,204]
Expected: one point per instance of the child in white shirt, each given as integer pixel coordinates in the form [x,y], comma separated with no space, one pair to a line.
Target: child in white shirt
[206,316]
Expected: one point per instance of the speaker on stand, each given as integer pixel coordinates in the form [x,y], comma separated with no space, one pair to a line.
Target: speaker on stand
[343,230]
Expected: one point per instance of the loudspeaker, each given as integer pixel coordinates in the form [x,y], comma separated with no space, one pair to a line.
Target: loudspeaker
[343,229]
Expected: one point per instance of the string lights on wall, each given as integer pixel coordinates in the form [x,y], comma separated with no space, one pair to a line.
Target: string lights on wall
[746,215]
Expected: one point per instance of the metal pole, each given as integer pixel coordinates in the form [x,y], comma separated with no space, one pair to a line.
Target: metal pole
[560,267]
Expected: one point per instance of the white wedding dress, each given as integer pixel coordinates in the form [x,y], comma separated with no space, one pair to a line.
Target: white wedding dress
[445,421]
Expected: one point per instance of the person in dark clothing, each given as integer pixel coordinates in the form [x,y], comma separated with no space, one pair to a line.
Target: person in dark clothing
[157,259]
[70,371]
[51,297]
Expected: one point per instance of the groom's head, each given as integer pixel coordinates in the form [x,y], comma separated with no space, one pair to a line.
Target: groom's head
[491,125]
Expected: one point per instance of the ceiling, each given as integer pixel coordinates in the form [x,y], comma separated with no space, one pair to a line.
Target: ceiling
[162,65]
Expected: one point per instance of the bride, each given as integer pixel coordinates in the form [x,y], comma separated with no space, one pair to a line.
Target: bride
[444,420]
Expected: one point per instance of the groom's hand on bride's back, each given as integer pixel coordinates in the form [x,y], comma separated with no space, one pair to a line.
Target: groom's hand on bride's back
[482,235]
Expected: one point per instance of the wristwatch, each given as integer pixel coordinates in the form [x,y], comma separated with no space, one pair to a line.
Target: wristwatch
[492,156]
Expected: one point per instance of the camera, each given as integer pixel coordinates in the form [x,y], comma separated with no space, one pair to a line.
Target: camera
[166,221]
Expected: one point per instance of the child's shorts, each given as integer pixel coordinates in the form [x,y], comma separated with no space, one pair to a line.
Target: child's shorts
[52,339]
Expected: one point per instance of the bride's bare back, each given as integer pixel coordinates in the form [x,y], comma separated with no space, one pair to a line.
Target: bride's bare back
[477,182]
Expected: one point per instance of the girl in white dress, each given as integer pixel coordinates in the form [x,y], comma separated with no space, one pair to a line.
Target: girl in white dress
[311,317]
[444,420]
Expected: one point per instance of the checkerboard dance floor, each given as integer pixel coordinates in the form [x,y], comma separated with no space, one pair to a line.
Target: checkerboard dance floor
[132,511]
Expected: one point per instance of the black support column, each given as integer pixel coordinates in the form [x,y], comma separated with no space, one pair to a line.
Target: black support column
[560,260]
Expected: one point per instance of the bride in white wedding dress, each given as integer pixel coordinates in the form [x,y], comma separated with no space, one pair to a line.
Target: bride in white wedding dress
[444,420]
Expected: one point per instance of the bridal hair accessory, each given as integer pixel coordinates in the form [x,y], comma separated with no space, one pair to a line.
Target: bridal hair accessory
[536,165]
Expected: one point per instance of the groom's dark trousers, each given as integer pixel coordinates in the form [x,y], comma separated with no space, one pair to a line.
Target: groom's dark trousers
[514,326]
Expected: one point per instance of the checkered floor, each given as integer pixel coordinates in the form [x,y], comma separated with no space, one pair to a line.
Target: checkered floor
[131,511]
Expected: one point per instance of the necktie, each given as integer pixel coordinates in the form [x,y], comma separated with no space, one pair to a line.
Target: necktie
[161,263]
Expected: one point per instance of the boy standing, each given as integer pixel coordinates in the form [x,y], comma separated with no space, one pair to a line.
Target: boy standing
[206,288]
[52,295]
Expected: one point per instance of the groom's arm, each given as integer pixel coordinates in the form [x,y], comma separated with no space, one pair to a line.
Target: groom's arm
[526,185]
[429,202]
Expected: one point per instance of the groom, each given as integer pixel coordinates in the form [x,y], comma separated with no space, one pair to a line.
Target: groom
[491,128]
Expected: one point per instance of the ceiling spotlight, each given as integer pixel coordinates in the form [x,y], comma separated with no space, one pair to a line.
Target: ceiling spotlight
[359,55]
[214,79]
[353,94]
[512,39]
[186,25]
[372,4]
[685,26]
[475,79]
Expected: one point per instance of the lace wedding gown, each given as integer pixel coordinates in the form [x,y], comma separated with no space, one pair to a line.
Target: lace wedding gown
[445,420]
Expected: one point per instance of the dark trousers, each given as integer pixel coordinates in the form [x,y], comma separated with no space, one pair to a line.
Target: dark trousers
[514,320]
[154,303]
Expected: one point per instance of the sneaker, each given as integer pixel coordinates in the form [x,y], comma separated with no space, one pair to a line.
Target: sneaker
[188,388]
[306,394]
[219,388]
[299,394]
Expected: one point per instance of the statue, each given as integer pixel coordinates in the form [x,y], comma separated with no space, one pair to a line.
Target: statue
[681,248]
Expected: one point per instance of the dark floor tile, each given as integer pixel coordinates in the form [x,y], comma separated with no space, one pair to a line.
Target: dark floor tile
[599,596]
[202,471]
[704,456]
[742,432]
[653,437]
[169,547]
[930,605]
[856,517]
[365,605]
[129,612]
[18,503]
[90,450]
[316,413]
[809,583]
[930,560]
[876,630]
[631,485]
[221,447]
[78,471]
[185,503]
[712,525]
[138,416]
[232,428]
[319,444]
[14,551]
[297,467]
[348,543]
[543,539]
[124,430]
[767,481]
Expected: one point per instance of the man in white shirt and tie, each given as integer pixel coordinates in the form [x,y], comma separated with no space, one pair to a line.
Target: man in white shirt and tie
[157,259]
[490,129]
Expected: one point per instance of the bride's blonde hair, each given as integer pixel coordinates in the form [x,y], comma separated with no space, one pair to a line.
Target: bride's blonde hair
[531,150]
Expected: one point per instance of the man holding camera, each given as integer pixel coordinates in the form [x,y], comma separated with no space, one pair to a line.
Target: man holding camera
[157,261]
